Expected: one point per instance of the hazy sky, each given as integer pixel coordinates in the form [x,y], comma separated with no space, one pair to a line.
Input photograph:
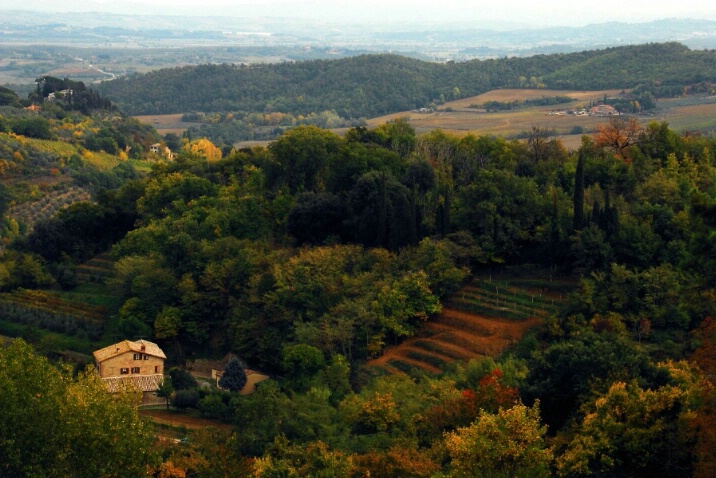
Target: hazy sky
[483,13]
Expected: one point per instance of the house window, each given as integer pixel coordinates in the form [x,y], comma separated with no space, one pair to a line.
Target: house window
[146,357]
[137,356]
[124,371]
[156,369]
[135,369]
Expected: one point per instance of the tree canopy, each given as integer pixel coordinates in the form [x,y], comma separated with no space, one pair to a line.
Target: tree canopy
[53,424]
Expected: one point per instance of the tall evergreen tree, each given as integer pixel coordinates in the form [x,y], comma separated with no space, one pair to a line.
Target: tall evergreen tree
[579,193]
[234,377]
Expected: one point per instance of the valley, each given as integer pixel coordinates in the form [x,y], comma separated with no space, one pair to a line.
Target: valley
[692,113]
[457,117]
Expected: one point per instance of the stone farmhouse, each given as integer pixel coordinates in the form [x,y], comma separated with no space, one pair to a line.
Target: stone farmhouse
[156,148]
[603,110]
[137,365]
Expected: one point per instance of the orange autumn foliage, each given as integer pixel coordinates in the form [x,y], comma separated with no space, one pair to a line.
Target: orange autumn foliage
[169,470]
[618,135]
[397,462]
[491,395]
[705,358]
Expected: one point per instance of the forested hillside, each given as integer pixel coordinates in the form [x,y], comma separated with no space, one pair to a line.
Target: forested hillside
[315,254]
[57,161]
[311,256]
[374,85]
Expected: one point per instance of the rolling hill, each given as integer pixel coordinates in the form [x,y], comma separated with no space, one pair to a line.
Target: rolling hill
[373,85]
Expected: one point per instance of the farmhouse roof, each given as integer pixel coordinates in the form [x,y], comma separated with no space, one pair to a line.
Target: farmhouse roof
[140,346]
[604,109]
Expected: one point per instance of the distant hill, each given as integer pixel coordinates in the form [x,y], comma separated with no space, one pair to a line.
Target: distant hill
[373,85]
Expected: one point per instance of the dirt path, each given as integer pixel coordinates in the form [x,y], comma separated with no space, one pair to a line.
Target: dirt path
[398,354]
[176,419]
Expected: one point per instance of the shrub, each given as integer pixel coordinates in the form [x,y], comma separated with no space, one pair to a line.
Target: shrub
[184,399]
[213,406]
[32,127]
[182,379]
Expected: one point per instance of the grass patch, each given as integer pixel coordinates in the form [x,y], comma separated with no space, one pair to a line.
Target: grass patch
[142,165]
[85,298]
[50,311]
[95,294]
[489,311]
[512,303]
[51,340]
[61,148]
[100,160]
[528,297]
[555,286]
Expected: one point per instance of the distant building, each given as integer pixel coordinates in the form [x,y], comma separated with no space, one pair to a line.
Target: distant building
[603,110]
[54,96]
[33,107]
[156,148]
[137,364]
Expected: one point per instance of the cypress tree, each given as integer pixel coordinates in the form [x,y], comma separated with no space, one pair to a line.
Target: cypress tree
[383,214]
[234,377]
[578,222]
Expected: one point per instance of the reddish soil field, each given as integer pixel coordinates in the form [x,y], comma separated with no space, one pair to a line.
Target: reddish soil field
[476,322]
[457,334]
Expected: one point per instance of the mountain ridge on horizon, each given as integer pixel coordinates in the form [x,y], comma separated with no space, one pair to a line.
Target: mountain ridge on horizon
[439,41]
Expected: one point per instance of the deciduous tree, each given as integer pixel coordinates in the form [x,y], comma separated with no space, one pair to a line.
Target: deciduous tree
[507,444]
[618,135]
[55,425]
[635,431]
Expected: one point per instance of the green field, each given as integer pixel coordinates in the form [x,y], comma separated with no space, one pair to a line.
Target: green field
[696,113]
[61,148]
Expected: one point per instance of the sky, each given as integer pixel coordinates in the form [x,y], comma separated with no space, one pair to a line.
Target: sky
[482,13]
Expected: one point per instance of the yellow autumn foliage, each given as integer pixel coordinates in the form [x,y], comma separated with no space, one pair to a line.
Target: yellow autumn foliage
[205,148]
[509,443]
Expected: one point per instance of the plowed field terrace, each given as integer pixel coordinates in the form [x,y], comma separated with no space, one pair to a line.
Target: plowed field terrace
[482,319]
[97,269]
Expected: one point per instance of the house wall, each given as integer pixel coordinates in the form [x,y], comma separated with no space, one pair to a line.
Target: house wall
[148,365]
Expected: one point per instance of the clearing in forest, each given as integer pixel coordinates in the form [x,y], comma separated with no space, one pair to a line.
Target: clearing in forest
[483,319]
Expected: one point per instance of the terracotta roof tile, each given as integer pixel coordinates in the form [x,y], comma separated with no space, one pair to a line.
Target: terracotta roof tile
[150,348]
